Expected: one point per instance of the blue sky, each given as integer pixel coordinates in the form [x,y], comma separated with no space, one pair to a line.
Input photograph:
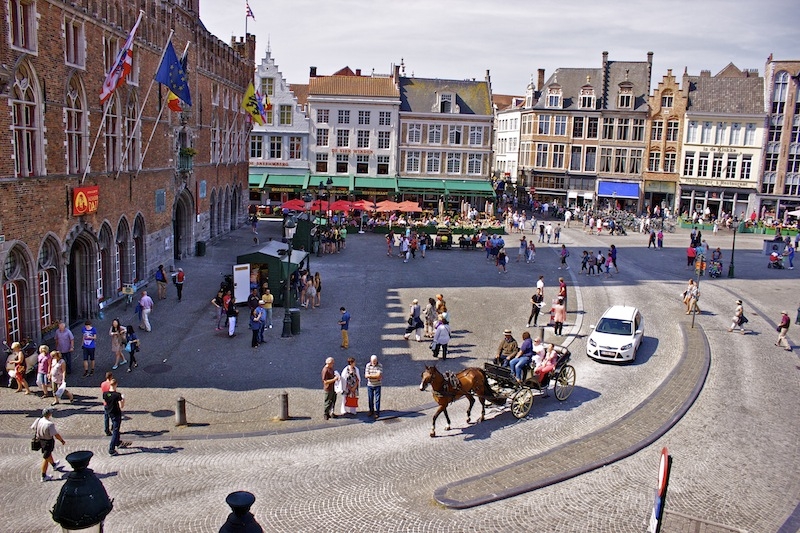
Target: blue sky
[459,39]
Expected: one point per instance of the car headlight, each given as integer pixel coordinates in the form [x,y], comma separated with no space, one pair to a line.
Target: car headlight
[592,343]
[626,347]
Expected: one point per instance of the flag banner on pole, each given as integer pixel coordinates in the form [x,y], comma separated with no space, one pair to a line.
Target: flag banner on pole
[173,102]
[122,65]
[250,104]
[171,74]
[260,106]
[249,11]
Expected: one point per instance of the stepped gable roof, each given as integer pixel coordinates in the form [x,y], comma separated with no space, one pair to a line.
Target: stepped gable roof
[730,92]
[352,85]
[571,80]
[631,74]
[419,95]
[300,91]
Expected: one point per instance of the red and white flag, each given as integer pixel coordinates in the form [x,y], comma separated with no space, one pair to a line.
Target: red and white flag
[249,11]
[122,65]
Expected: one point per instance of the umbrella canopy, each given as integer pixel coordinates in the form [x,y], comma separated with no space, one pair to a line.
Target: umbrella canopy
[795,213]
[387,205]
[295,205]
[364,205]
[320,205]
[341,205]
[410,207]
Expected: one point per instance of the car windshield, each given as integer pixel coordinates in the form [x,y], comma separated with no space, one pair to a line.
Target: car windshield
[614,326]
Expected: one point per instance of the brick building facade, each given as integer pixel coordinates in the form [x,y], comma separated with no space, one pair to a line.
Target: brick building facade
[58,264]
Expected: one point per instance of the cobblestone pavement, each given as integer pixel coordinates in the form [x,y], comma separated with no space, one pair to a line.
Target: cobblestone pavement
[735,452]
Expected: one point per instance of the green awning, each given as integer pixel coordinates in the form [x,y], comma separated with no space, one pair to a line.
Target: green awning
[288,180]
[413,185]
[375,186]
[257,179]
[470,187]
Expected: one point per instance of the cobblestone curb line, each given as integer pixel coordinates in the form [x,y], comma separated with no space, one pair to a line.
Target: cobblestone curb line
[639,428]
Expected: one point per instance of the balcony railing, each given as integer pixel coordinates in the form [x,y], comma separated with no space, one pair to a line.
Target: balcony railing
[185,163]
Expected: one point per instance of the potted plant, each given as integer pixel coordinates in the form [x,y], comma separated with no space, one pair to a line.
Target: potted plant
[188,151]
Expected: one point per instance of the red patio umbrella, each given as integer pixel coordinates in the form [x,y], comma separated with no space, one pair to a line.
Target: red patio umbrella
[320,205]
[387,206]
[341,205]
[294,205]
[410,207]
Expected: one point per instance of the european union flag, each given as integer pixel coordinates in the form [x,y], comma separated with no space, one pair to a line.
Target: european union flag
[172,74]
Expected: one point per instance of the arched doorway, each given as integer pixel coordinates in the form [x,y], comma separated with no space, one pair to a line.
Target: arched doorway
[182,226]
[139,262]
[84,291]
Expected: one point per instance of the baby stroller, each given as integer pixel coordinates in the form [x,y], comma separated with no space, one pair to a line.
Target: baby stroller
[715,269]
[775,261]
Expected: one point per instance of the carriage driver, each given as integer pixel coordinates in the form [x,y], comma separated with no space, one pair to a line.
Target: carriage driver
[507,350]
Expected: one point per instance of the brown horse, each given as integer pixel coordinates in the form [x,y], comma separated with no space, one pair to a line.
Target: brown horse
[447,390]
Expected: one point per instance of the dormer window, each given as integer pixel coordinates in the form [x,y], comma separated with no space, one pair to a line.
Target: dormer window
[554,97]
[446,103]
[666,100]
[625,100]
[587,98]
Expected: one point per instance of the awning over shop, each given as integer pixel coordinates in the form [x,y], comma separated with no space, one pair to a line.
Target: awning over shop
[375,186]
[618,189]
[423,186]
[339,184]
[297,181]
[257,179]
[469,187]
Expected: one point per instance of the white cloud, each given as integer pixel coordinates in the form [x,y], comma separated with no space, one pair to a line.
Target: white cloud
[462,38]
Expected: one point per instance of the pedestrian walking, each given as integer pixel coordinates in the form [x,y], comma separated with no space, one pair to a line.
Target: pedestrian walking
[739,320]
[415,324]
[45,432]
[531,257]
[344,324]
[179,279]
[373,373]
[652,240]
[562,291]
[501,261]
[523,248]
[105,386]
[43,370]
[131,346]
[255,326]
[146,304]
[660,239]
[118,334]
[329,378]
[559,313]
[783,329]
[591,262]
[161,281]
[58,368]
[115,403]
[441,337]
[20,367]
[564,253]
[557,233]
[613,251]
[428,316]
[351,381]
[89,336]
[537,300]
[268,300]
[65,344]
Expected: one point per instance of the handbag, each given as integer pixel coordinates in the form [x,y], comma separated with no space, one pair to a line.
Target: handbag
[61,389]
[432,346]
[351,401]
[36,444]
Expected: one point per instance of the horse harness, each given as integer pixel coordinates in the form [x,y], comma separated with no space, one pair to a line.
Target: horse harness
[451,386]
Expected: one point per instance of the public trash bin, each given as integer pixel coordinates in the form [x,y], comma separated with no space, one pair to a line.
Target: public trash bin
[201,248]
[294,313]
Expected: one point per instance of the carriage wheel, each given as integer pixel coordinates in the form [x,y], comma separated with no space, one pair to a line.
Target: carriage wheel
[565,382]
[521,402]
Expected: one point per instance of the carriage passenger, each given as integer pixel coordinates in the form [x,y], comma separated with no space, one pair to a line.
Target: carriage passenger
[529,351]
[548,363]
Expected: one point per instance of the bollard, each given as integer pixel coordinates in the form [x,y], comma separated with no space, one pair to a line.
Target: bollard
[541,334]
[284,406]
[180,413]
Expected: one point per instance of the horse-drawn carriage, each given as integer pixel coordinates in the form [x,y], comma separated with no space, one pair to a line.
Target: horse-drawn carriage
[505,385]
[497,384]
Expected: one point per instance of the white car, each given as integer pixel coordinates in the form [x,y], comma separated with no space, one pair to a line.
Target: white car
[617,335]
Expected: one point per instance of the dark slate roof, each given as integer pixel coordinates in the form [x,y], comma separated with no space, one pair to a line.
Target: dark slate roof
[571,80]
[725,95]
[635,72]
[418,95]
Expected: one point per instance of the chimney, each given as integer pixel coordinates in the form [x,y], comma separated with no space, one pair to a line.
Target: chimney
[650,57]
[313,72]
[540,84]
[358,72]
[397,73]
[705,73]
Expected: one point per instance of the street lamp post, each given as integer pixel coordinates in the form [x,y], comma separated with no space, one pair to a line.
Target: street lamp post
[289,227]
[328,185]
[733,251]
[317,235]
[83,502]
[699,267]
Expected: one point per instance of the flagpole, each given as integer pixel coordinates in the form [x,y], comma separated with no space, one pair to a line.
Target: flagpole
[141,109]
[158,118]
[94,144]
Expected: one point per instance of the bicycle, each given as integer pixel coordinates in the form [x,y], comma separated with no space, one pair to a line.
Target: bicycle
[128,291]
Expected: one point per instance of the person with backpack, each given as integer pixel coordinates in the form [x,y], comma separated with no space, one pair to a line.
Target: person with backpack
[132,346]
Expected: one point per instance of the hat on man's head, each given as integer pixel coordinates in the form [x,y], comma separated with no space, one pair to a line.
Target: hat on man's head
[261,302]
[507,332]
[784,313]
[47,411]
[414,301]
[738,302]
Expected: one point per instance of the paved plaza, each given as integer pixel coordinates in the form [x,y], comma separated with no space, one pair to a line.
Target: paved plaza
[735,452]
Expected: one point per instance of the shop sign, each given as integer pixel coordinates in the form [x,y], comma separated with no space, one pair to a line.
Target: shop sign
[85,200]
